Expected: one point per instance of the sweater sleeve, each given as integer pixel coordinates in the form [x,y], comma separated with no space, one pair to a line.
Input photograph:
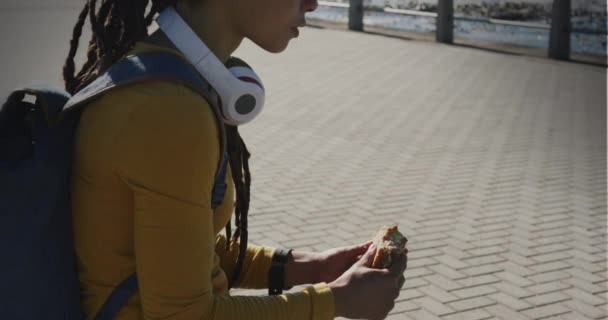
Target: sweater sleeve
[255,266]
[167,154]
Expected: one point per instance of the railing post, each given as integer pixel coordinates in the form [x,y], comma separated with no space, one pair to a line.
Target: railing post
[445,21]
[355,15]
[559,39]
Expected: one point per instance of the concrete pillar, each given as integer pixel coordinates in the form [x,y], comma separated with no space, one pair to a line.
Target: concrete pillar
[445,21]
[355,15]
[559,39]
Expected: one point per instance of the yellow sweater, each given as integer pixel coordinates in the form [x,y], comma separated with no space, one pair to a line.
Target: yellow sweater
[145,159]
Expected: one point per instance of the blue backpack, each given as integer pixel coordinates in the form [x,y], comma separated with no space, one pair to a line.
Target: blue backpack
[38,272]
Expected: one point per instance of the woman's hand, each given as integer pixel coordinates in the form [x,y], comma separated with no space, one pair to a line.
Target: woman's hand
[366,293]
[334,262]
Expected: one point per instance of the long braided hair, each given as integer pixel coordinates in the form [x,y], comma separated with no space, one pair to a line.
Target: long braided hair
[116,27]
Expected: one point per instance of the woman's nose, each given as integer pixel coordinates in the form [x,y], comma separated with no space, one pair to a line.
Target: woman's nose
[310,5]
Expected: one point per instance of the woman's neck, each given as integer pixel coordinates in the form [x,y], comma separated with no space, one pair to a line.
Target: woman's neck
[217,33]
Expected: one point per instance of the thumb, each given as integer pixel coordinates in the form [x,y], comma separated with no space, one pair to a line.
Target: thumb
[360,249]
[368,257]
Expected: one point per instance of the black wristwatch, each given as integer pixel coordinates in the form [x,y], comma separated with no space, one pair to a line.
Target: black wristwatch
[276,274]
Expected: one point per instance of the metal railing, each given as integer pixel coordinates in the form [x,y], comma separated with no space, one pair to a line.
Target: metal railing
[560,29]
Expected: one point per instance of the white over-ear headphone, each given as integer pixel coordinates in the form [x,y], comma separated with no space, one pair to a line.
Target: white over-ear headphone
[240,90]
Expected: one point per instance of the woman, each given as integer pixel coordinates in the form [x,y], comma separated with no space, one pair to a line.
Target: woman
[145,159]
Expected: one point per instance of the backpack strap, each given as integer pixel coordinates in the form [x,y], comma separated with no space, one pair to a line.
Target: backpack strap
[220,186]
[118,298]
[146,67]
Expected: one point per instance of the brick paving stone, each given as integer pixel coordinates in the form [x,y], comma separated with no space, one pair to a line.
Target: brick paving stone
[472,303]
[515,257]
[585,297]
[572,315]
[442,282]
[482,270]
[472,292]
[409,294]
[491,250]
[485,280]
[421,262]
[486,259]
[411,273]
[585,275]
[550,266]
[447,272]
[404,307]
[510,301]
[415,283]
[547,311]
[422,314]
[551,257]
[589,311]
[549,287]
[539,300]
[593,288]
[477,314]
[451,262]
[433,306]
[505,312]
[422,253]
[549,276]
[438,293]
[513,290]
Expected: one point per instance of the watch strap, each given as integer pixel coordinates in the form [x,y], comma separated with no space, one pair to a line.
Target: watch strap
[276,274]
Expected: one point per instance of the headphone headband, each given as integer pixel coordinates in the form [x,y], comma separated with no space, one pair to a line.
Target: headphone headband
[240,90]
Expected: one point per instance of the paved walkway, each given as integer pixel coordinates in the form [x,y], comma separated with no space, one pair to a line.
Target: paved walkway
[492,165]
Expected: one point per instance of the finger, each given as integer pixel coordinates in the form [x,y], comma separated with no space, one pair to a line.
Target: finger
[396,293]
[355,252]
[360,249]
[368,257]
[400,282]
[362,245]
[398,265]
[404,262]
[366,244]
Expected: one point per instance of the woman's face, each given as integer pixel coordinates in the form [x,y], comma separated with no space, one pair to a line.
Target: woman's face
[271,24]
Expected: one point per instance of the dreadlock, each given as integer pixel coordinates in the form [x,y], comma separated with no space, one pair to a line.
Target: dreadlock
[116,27]
[239,162]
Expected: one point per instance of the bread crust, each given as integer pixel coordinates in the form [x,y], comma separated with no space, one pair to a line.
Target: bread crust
[390,244]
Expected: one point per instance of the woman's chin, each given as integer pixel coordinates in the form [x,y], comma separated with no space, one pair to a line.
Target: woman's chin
[278,49]
[277,46]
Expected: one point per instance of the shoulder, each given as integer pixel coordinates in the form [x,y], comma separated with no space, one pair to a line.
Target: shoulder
[161,116]
[169,136]
[167,100]
[157,103]
[168,109]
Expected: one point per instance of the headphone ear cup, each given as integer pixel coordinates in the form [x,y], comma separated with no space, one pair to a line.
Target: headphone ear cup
[251,102]
[236,62]
[242,71]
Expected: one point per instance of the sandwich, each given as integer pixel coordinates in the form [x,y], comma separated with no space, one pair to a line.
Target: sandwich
[390,244]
